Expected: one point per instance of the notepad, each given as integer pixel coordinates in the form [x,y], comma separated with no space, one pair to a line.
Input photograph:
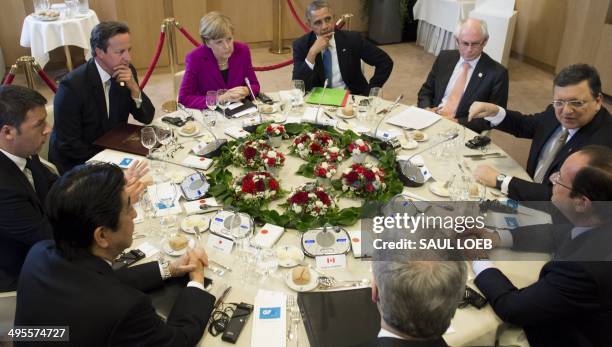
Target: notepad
[332,97]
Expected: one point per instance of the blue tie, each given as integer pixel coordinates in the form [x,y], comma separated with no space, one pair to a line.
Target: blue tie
[327,65]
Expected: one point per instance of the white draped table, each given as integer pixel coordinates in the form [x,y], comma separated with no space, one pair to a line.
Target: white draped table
[44,36]
[470,326]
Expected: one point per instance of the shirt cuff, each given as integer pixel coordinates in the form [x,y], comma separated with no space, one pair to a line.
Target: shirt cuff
[505,238]
[311,66]
[196,285]
[164,274]
[505,184]
[479,266]
[498,118]
[138,100]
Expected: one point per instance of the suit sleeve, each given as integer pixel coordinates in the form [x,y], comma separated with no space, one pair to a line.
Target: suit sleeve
[499,93]
[521,190]
[185,325]
[145,113]
[564,291]
[250,73]
[189,94]
[21,219]
[376,57]
[537,238]
[519,125]
[427,92]
[143,277]
[301,70]
[68,124]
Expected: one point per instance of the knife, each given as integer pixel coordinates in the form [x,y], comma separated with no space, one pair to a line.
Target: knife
[386,110]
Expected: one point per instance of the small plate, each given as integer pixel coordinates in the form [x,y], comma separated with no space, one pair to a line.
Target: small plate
[438,189]
[165,246]
[188,223]
[195,133]
[44,18]
[289,256]
[409,144]
[341,114]
[312,284]
[425,137]
[272,109]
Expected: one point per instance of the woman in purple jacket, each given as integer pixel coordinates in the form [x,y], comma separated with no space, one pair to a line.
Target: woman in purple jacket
[220,63]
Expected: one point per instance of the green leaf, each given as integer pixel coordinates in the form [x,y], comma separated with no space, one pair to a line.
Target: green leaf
[307,170]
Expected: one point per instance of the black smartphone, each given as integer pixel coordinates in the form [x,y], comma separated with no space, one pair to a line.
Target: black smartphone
[176,121]
[127,258]
[237,322]
[265,99]
[478,142]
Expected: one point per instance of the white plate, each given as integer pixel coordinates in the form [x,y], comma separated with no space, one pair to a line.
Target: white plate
[438,189]
[312,284]
[188,223]
[182,133]
[274,108]
[289,256]
[425,137]
[165,245]
[409,144]
[45,18]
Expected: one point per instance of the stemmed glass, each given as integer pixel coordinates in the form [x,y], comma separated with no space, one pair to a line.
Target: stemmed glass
[211,103]
[164,136]
[148,138]
[222,102]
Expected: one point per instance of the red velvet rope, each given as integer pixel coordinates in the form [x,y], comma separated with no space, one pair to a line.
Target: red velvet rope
[188,36]
[160,45]
[46,78]
[8,79]
[273,67]
[296,17]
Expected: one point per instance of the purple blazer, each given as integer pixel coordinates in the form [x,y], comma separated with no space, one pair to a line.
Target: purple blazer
[202,74]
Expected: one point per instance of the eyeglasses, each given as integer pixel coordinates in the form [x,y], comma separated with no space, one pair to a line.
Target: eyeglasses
[555,178]
[571,103]
[470,44]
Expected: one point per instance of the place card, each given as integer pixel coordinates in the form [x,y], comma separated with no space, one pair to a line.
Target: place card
[219,243]
[336,261]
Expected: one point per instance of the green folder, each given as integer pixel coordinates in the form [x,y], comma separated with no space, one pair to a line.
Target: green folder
[332,97]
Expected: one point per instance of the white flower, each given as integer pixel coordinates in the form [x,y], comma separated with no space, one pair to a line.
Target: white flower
[328,174]
[271,154]
[312,195]
[319,204]
[359,142]
[297,208]
[344,188]
[300,146]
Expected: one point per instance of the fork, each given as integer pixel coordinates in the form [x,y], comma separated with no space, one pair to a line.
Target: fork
[290,304]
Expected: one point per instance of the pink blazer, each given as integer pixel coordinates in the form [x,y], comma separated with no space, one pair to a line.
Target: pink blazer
[202,74]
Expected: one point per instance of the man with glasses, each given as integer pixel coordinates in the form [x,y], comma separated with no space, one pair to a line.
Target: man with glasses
[576,118]
[335,55]
[570,304]
[460,77]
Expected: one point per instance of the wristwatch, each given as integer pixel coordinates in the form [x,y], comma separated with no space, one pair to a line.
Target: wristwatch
[164,265]
[499,180]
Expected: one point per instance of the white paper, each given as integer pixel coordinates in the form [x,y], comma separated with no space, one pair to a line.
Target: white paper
[193,207]
[219,243]
[269,319]
[236,132]
[197,162]
[157,192]
[148,249]
[414,118]
[336,261]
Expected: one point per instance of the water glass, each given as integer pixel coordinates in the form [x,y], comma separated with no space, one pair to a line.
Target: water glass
[267,263]
[222,102]
[72,7]
[83,7]
[148,138]
[41,5]
[298,90]
[375,96]
[168,225]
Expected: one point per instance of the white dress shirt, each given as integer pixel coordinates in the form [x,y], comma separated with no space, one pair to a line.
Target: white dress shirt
[501,115]
[386,333]
[105,77]
[455,76]
[337,81]
[21,164]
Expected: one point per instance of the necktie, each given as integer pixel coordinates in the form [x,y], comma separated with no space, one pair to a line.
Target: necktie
[327,65]
[544,164]
[455,96]
[28,173]
[113,102]
[106,96]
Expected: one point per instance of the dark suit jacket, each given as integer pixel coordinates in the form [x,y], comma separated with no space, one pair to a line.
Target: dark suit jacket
[81,117]
[488,83]
[202,74]
[22,216]
[571,303]
[540,127]
[392,342]
[351,49]
[103,307]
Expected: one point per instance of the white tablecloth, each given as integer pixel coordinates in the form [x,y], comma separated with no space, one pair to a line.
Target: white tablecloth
[437,21]
[44,36]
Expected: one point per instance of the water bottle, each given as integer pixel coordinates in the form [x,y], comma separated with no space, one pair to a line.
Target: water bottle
[83,6]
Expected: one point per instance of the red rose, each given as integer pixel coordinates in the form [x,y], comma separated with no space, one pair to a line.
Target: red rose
[271,161]
[299,198]
[260,185]
[369,175]
[369,188]
[273,184]
[363,148]
[352,176]
[315,147]
[249,152]
[323,197]
[248,186]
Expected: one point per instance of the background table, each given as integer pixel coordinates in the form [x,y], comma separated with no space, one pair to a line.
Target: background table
[44,36]
[470,326]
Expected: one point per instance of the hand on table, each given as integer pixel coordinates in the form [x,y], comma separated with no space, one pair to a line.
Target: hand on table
[486,175]
[123,73]
[482,109]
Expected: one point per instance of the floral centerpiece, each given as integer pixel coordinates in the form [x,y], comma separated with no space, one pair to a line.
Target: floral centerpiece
[363,180]
[333,155]
[256,188]
[248,154]
[273,161]
[324,171]
[275,134]
[310,200]
[312,144]
[358,150]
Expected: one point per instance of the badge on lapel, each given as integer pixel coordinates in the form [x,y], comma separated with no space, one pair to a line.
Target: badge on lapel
[480,75]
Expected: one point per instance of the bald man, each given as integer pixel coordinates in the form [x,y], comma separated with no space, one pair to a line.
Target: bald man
[460,77]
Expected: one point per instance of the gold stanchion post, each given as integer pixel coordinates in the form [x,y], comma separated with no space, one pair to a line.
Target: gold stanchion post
[169,27]
[277,31]
[27,64]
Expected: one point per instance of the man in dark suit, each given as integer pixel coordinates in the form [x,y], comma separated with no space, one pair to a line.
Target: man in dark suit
[460,77]
[571,303]
[24,181]
[575,119]
[71,282]
[96,97]
[336,55]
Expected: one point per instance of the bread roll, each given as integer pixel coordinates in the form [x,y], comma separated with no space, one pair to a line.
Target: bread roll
[178,242]
[418,135]
[189,128]
[300,275]
[348,110]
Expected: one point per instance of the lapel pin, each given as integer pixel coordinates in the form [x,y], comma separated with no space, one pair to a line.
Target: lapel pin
[480,75]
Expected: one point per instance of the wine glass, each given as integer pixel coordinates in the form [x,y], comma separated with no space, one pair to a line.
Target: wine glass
[148,138]
[211,103]
[222,102]
[164,136]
